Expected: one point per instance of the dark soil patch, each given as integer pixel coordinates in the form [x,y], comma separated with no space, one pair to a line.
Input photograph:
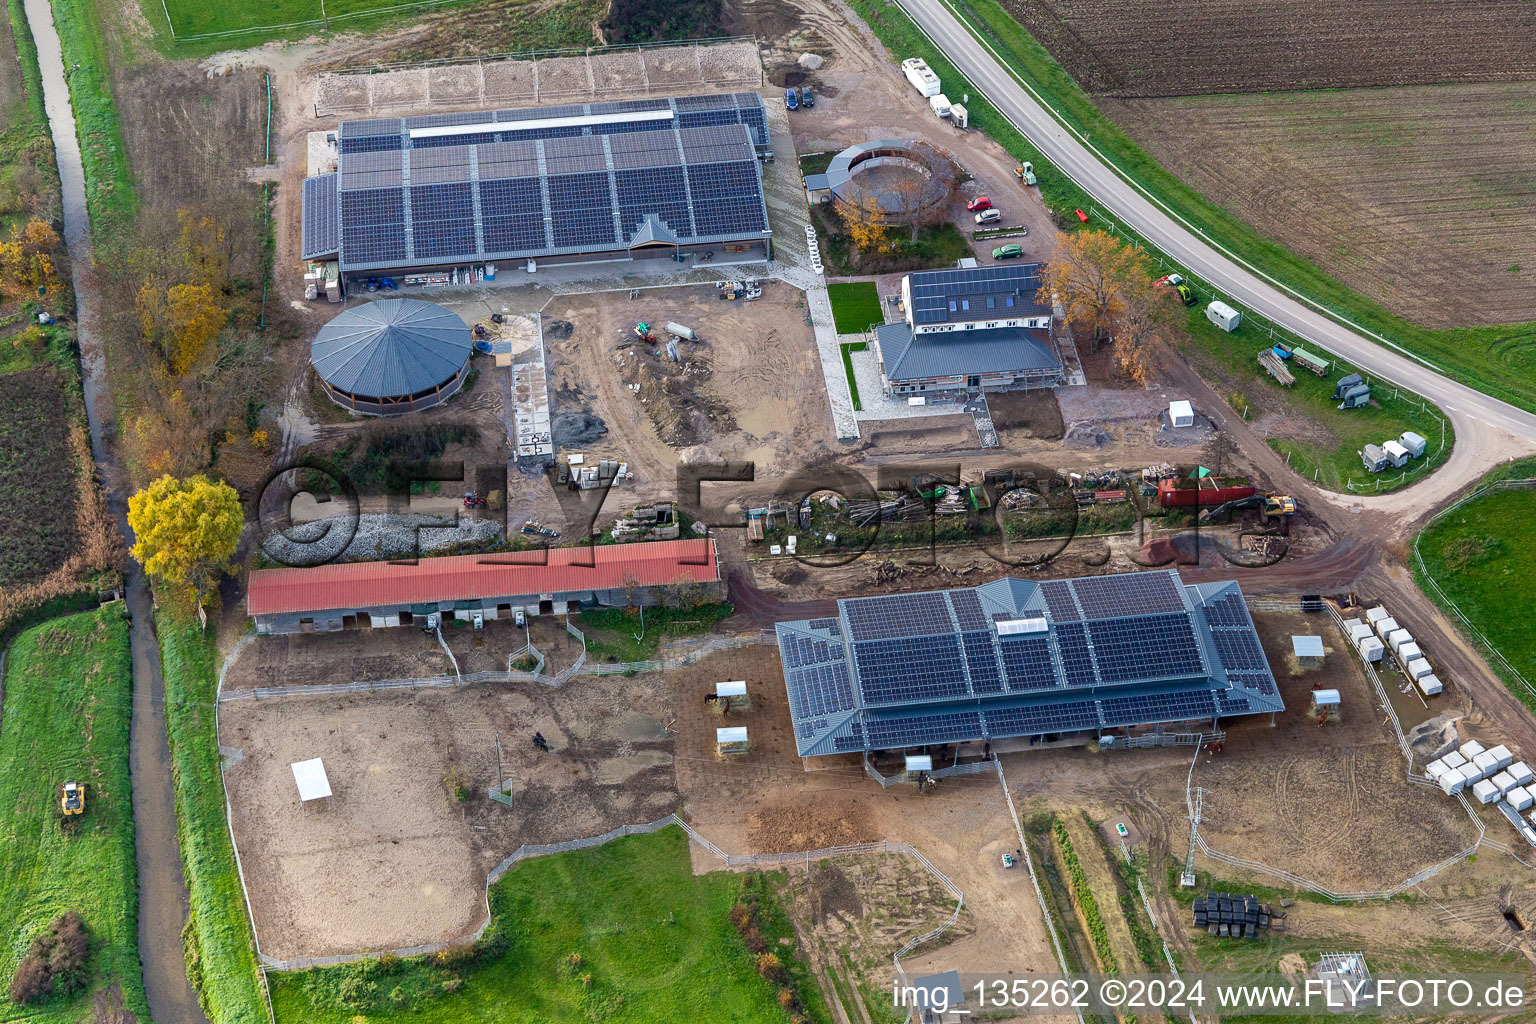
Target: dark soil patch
[1100,368]
[37,483]
[1034,413]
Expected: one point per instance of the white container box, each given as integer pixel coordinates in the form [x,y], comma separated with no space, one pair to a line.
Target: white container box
[1429,685]
[1522,773]
[1372,649]
[1502,754]
[1520,798]
[1470,749]
[1486,764]
[1485,791]
[1436,768]
[1454,759]
[1408,652]
[1419,669]
[1397,638]
[1453,782]
[1504,781]
[1359,631]
[1375,615]
[1386,627]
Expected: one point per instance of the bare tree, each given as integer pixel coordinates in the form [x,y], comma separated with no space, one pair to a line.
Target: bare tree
[925,195]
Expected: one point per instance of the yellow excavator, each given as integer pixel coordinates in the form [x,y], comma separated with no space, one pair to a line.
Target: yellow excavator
[1270,506]
[73,800]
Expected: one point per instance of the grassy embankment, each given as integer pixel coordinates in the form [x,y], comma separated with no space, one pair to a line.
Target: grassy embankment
[1499,360]
[221,959]
[26,149]
[68,702]
[624,931]
[1482,558]
[1230,362]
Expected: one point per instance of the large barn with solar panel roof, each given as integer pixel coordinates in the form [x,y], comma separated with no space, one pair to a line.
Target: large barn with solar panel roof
[440,197]
[1016,658]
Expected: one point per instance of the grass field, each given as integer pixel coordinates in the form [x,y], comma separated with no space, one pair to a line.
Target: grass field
[109,192]
[848,348]
[855,305]
[1321,440]
[221,954]
[616,634]
[1482,557]
[1498,360]
[623,932]
[37,476]
[68,690]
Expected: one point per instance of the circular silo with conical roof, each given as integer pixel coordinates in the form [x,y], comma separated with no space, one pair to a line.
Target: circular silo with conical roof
[392,356]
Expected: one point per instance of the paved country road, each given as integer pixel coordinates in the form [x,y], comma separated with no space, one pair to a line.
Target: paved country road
[162,887]
[1472,412]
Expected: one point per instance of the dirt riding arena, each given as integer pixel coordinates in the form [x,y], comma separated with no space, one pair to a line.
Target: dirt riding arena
[1366,183]
[395,859]
[750,388]
[1127,48]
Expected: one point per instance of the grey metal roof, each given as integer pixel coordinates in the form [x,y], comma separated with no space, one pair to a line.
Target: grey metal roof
[390,348]
[322,232]
[911,356]
[979,293]
[1020,658]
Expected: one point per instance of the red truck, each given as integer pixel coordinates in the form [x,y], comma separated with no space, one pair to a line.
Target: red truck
[1206,491]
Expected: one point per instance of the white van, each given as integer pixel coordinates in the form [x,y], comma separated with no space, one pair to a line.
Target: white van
[1223,315]
[988,216]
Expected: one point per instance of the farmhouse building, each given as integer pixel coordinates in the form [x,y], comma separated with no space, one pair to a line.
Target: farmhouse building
[348,595]
[967,330]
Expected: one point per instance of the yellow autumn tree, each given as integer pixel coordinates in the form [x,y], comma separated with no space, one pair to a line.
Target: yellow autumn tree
[1091,273]
[204,249]
[27,259]
[866,221]
[181,321]
[186,531]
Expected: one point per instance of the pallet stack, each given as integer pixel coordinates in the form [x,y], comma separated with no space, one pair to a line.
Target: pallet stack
[1229,915]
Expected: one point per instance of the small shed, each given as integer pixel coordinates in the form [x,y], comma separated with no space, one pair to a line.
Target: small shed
[731,740]
[313,785]
[1413,442]
[1308,650]
[1430,685]
[1326,705]
[1181,414]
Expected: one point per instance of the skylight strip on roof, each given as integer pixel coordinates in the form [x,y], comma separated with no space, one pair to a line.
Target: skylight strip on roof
[536,124]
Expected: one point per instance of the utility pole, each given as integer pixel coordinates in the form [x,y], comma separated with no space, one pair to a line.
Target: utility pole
[498,761]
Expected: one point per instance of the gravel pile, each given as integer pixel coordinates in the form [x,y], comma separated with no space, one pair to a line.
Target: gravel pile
[377,537]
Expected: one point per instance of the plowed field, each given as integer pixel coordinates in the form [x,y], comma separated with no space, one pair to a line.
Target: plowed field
[1133,48]
[1421,197]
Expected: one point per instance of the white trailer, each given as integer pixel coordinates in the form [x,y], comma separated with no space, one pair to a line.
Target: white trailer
[1396,454]
[1223,316]
[1413,442]
[921,76]
[939,104]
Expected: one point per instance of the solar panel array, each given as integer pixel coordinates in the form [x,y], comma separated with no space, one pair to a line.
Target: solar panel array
[321,232]
[981,293]
[510,192]
[1142,635]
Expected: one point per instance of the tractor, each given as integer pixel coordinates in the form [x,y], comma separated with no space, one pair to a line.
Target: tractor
[73,800]
[1025,173]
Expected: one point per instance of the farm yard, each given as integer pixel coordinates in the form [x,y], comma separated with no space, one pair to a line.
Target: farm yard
[1126,48]
[37,467]
[1419,196]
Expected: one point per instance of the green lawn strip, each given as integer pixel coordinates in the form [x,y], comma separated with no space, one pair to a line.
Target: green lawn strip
[623,931]
[855,305]
[68,704]
[849,348]
[1499,360]
[611,633]
[108,184]
[526,27]
[1234,359]
[816,163]
[1482,558]
[221,958]
[1082,895]
[24,137]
